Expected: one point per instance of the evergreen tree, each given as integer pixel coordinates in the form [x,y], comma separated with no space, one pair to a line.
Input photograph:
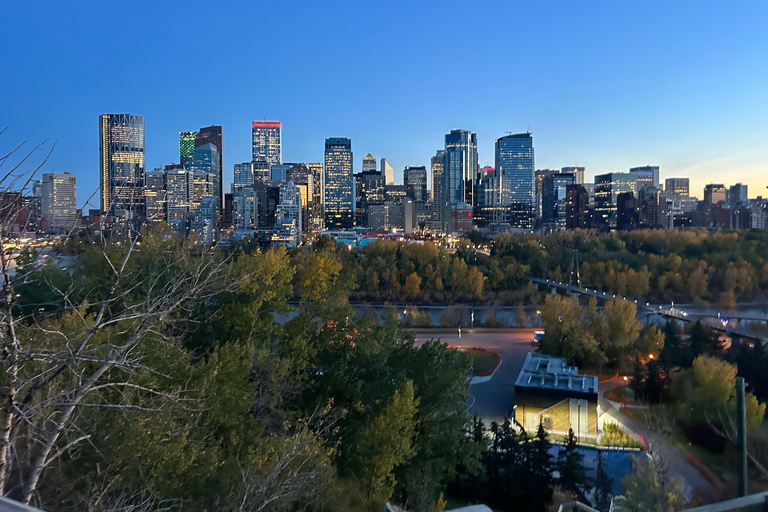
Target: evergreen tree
[570,465]
[603,484]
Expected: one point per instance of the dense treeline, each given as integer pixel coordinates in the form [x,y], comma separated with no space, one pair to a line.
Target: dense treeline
[658,265]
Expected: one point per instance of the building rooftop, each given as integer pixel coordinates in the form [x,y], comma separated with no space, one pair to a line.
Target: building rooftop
[549,372]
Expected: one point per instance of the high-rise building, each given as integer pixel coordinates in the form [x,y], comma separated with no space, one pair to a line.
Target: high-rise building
[460,167]
[178,183]
[737,195]
[647,176]
[339,184]
[267,142]
[677,186]
[714,194]
[287,230]
[578,172]
[243,175]
[416,182]
[576,207]
[278,171]
[438,190]
[187,148]
[244,211]
[540,175]
[121,152]
[213,135]
[206,174]
[369,164]
[628,211]
[607,190]
[388,171]
[554,198]
[59,200]
[154,194]
[515,164]
[262,172]
[316,222]
[204,222]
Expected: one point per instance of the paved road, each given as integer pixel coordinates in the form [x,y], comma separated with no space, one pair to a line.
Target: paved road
[491,400]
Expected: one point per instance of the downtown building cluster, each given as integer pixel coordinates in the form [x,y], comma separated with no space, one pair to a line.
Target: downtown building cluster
[277,202]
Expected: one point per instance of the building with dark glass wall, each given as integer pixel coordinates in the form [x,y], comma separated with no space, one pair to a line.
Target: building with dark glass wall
[647,176]
[577,213]
[267,142]
[416,183]
[121,159]
[554,191]
[460,167]
[339,184]
[438,194]
[213,135]
[607,190]
[515,165]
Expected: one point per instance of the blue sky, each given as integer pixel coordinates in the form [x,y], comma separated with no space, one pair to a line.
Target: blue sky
[607,85]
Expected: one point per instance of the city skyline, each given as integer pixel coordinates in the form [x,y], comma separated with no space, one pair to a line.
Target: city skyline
[598,91]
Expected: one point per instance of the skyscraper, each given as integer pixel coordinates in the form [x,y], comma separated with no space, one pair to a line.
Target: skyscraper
[388,171]
[206,174]
[437,165]
[607,190]
[121,152]
[369,163]
[554,189]
[648,175]
[317,220]
[416,183]
[213,135]
[460,167]
[243,175]
[267,142]
[677,186]
[515,164]
[59,200]
[339,184]
[187,148]
[154,194]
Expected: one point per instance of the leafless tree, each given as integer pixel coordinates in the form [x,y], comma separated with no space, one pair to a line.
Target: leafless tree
[56,366]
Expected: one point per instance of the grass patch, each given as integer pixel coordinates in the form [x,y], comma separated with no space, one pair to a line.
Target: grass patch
[483,361]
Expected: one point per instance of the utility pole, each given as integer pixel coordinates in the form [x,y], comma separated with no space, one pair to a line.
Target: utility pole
[741,421]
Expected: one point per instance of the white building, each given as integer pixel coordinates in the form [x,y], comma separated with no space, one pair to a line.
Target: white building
[59,200]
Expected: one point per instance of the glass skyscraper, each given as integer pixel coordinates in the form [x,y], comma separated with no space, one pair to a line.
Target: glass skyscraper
[187,148]
[121,152]
[267,142]
[438,196]
[607,190]
[516,168]
[460,167]
[339,184]
[213,135]
[416,183]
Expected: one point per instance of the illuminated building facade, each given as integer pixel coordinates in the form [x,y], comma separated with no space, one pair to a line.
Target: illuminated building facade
[647,176]
[187,148]
[121,152]
[460,167]
[59,200]
[339,183]
[243,175]
[267,142]
[437,165]
[213,135]
[416,183]
[515,165]
[154,194]
[607,190]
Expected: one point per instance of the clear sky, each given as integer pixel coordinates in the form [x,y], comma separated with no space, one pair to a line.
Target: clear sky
[608,85]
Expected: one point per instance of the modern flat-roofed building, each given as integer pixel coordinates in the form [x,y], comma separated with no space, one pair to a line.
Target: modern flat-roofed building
[550,392]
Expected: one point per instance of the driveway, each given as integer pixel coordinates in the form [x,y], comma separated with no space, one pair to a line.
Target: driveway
[492,400]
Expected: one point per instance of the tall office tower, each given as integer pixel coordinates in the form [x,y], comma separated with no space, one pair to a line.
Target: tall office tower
[121,152]
[202,186]
[416,183]
[317,220]
[677,186]
[653,208]
[607,190]
[540,175]
[245,211]
[576,207]
[59,200]
[267,199]
[267,142]
[178,182]
[369,164]
[369,190]
[578,172]
[213,135]
[460,167]
[339,184]
[737,195]
[437,165]
[714,194]
[300,175]
[288,220]
[648,175]
[187,148]
[554,191]
[154,194]
[204,223]
[226,221]
[388,172]
[515,163]
[243,175]
[628,211]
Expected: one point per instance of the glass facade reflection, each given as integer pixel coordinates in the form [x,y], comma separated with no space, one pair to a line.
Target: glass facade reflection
[339,190]
[121,152]
[607,190]
[516,169]
[267,142]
